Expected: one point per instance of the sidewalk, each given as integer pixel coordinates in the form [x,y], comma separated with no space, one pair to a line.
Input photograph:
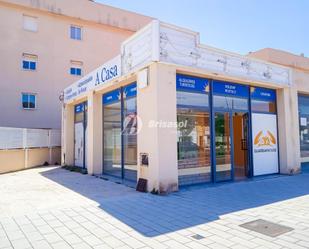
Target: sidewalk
[54,208]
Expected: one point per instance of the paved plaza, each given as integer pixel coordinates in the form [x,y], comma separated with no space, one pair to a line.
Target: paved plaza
[54,208]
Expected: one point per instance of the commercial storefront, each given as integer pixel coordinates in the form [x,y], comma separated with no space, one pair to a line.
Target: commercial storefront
[219,125]
[174,113]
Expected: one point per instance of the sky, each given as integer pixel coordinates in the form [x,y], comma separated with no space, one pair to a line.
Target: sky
[239,26]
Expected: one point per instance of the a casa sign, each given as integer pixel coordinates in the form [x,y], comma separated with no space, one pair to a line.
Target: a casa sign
[264,144]
[105,73]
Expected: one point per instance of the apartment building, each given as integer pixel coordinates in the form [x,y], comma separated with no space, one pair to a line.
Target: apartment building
[46,45]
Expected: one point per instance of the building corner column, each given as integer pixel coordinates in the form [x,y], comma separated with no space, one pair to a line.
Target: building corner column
[288,130]
[156,108]
[94,143]
[67,148]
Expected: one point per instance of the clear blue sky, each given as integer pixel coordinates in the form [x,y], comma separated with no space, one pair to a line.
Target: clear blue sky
[235,25]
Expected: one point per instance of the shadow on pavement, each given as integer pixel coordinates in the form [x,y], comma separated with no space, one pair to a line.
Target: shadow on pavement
[153,215]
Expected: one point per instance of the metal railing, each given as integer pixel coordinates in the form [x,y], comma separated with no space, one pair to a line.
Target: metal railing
[20,138]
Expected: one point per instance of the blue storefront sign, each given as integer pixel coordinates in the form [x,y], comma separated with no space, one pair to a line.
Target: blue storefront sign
[111,97]
[114,96]
[129,91]
[230,89]
[263,94]
[191,84]
[79,108]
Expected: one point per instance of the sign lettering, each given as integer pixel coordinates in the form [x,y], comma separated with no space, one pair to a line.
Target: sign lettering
[107,72]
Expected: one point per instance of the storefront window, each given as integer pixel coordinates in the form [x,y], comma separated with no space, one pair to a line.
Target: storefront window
[120,133]
[224,102]
[192,99]
[303,105]
[230,96]
[193,130]
[263,100]
[112,133]
[129,132]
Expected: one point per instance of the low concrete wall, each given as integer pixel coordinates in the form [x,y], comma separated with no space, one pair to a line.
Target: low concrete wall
[19,159]
[37,157]
[12,160]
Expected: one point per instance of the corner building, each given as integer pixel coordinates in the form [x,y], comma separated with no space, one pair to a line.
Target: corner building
[178,113]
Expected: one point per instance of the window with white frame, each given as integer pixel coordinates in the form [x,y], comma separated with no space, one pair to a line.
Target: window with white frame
[29,62]
[75,32]
[76,68]
[30,23]
[29,101]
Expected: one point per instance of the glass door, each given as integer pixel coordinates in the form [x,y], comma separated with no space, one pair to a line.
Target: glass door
[230,104]
[223,148]
[112,139]
[231,145]
[240,145]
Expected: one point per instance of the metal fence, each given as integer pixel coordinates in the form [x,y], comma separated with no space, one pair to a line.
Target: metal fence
[19,138]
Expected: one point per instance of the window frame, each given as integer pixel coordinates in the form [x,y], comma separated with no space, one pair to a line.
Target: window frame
[29,58]
[76,68]
[28,100]
[254,100]
[75,27]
